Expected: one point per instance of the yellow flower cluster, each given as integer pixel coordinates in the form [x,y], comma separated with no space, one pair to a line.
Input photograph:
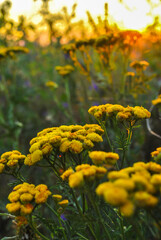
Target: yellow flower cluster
[58,200]
[157,100]
[121,113]
[84,173]
[156,155]
[24,197]
[64,70]
[10,160]
[133,187]
[73,138]
[10,51]
[139,65]
[101,157]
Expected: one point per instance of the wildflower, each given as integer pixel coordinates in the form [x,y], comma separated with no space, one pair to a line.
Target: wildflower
[116,196]
[11,159]
[103,187]
[26,209]
[157,101]
[94,137]
[76,180]
[115,175]
[63,203]
[127,184]
[76,146]
[57,198]
[66,174]
[26,197]
[51,84]
[46,148]
[14,196]
[13,207]
[127,209]
[36,156]
[144,199]
[100,157]
[64,146]
[42,196]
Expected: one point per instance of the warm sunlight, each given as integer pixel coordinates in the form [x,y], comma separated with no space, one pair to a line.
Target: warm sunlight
[134,14]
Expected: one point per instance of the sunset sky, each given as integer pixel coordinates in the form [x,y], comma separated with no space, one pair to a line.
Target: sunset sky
[136,14]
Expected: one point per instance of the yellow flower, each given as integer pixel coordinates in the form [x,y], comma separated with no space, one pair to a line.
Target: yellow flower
[127,209]
[117,174]
[66,174]
[116,196]
[57,197]
[26,197]
[154,167]
[144,199]
[89,173]
[76,146]
[64,147]
[36,156]
[12,163]
[81,167]
[76,180]
[127,184]
[34,147]
[41,187]
[63,203]
[1,167]
[51,84]
[88,143]
[28,160]
[94,137]
[99,157]
[156,179]
[157,101]
[100,172]
[46,148]
[13,207]
[26,209]
[14,196]
[103,187]
[41,197]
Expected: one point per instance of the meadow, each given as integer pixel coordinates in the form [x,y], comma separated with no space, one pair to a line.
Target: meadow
[80,128]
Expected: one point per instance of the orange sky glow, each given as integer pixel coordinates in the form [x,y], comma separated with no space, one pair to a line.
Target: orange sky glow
[134,14]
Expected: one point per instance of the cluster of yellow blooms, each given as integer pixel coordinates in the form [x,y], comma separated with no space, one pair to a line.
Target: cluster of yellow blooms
[83,173]
[10,51]
[64,70]
[156,155]
[157,100]
[11,160]
[133,187]
[24,197]
[139,65]
[58,200]
[101,157]
[129,114]
[73,138]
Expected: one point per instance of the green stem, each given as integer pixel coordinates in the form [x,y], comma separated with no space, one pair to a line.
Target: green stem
[99,215]
[122,228]
[65,237]
[107,137]
[36,230]
[82,215]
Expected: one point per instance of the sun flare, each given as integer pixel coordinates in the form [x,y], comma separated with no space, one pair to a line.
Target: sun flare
[134,14]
